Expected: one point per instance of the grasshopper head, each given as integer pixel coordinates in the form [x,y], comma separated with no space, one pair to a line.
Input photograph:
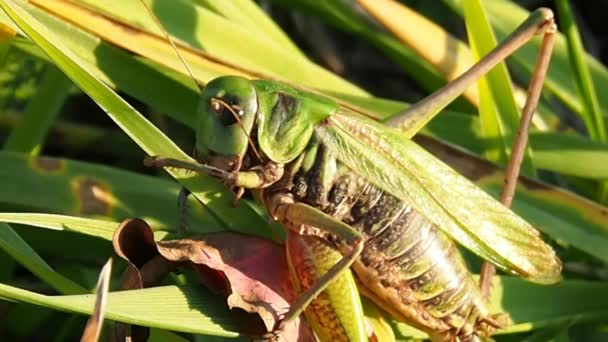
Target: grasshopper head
[226,115]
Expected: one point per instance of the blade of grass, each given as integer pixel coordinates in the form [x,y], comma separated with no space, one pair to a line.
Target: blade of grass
[76,137]
[28,137]
[343,16]
[97,228]
[84,189]
[159,335]
[185,309]
[130,37]
[165,90]
[40,113]
[218,34]
[557,333]
[17,248]
[247,14]
[499,116]
[188,309]
[445,53]
[591,114]
[559,152]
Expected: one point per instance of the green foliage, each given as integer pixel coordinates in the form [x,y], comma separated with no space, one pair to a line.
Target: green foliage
[96,178]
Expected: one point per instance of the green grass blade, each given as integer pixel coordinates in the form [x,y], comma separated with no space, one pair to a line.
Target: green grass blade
[248,14]
[98,228]
[219,37]
[165,90]
[532,306]
[40,114]
[184,309]
[146,135]
[558,152]
[17,248]
[570,155]
[554,333]
[84,189]
[591,112]
[499,116]
[188,309]
[75,137]
[158,335]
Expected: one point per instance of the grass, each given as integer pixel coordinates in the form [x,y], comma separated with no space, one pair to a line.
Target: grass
[95,178]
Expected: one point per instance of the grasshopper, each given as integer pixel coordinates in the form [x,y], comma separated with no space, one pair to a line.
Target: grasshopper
[392,210]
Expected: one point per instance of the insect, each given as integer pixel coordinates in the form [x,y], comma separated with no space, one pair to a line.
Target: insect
[392,210]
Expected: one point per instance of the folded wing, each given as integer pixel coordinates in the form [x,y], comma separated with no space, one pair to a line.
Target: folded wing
[457,206]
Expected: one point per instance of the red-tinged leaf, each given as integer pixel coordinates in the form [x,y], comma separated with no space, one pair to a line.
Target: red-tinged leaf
[254,270]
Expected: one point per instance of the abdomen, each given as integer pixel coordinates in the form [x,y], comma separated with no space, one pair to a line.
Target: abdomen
[408,266]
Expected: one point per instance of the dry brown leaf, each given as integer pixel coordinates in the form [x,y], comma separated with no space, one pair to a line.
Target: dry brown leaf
[134,242]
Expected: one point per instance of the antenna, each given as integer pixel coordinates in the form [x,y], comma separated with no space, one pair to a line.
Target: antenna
[166,34]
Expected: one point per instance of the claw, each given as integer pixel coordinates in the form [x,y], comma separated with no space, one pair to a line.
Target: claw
[182,205]
[151,161]
[275,334]
[237,198]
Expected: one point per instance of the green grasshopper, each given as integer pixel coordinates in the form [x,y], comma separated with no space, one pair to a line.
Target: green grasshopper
[390,208]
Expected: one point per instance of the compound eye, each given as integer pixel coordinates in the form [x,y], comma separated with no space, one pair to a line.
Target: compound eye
[227,113]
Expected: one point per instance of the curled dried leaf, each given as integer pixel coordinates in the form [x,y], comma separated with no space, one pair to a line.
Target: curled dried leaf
[134,242]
